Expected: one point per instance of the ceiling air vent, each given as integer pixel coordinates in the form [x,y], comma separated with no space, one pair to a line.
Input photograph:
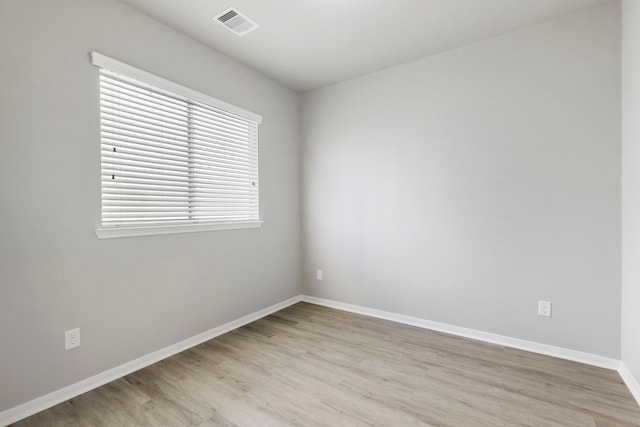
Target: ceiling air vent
[236,21]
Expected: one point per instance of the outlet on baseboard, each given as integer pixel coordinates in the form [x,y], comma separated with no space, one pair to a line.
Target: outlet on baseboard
[319,274]
[544,308]
[72,339]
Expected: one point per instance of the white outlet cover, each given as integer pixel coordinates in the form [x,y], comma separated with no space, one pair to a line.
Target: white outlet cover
[319,274]
[72,339]
[544,308]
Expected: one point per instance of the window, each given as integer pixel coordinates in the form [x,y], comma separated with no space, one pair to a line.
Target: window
[172,159]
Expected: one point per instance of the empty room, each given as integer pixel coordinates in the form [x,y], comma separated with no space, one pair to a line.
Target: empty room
[320,213]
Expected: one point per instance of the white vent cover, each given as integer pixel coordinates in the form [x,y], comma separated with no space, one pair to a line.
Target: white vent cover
[236,21]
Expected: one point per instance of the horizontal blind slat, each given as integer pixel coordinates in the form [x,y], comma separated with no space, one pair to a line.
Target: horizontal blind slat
[153,118]
[116,222]
[118,126]
[207,122]
[201,177]
[122,83]
[168,210]
[212,136]
[154,204]
[159,145]
[113,131]
[119,102]
[158,158]
[217,113]
[204,157]
[140,186]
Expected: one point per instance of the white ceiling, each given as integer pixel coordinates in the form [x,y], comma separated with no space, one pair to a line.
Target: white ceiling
[306,44]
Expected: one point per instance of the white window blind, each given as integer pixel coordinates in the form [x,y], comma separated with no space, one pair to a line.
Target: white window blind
[169,160]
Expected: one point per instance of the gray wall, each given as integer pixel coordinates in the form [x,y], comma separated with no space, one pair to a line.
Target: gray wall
[631,186]
[135,295]
[463,187]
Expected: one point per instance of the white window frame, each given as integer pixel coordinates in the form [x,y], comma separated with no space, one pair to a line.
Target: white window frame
[104,232]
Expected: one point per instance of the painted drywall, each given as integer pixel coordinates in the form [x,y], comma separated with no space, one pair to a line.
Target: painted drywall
[129,296]
[631,186]
[464,187]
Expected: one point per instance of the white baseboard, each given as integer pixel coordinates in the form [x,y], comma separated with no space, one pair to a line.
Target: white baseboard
[577,356]
[631,381]
[47,401]
[562,353]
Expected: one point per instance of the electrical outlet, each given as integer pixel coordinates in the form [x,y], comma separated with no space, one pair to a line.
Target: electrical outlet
[72,339]
[544,308]
[319,274]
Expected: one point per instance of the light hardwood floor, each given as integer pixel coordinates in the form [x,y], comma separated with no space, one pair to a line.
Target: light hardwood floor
[313,366]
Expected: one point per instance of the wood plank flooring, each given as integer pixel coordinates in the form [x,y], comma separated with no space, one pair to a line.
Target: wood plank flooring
[313,366]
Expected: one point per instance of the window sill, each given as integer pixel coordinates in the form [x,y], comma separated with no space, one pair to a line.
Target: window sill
[116,232]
